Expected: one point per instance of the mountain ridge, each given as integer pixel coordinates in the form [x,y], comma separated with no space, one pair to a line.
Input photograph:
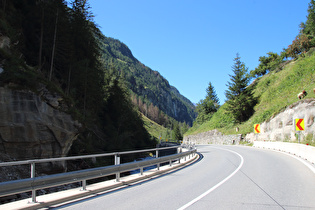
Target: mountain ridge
[147,84]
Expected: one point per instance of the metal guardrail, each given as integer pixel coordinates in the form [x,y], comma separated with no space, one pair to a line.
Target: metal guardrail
[42,182]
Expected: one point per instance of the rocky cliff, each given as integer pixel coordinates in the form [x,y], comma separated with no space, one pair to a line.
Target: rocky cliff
[281,127]
[32,126]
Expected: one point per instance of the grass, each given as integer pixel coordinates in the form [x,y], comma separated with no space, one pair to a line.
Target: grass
[153,128]
[309,140]
[245,143]
[275,91]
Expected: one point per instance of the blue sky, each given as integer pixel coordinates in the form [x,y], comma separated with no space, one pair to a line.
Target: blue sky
[194,42]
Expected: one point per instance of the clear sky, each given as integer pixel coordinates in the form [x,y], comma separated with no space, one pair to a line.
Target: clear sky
[194,42]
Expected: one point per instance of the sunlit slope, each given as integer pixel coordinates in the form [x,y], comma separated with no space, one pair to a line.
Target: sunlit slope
[274,91]
[153,128]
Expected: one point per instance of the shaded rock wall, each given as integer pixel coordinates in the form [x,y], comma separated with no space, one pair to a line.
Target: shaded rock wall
[32,128]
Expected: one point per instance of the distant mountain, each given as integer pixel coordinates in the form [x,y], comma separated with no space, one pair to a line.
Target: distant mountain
[149,86]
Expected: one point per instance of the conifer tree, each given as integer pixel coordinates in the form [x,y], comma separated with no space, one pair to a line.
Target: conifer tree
[177,133]
[211,102]
[206,107]
[306,38]
[309,27]
[240,99]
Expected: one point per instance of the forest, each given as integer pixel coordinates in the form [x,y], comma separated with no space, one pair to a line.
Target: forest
[57,44]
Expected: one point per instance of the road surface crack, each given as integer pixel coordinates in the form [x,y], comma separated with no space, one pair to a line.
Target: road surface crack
[262,189]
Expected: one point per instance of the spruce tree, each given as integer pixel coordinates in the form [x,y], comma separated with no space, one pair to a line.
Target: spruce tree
[240,99]
[177,133]
[211,102]
[206,107]
[305,40]
[309,27]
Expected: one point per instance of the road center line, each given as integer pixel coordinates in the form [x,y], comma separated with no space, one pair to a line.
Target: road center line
[217,185]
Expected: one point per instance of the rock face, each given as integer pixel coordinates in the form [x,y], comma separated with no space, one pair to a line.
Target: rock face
[32,128]
[282,126]
[212,137]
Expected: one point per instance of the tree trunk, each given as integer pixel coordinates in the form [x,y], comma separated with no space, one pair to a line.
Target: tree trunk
[85,89]
[4,3]
[41,41]
[69,81]
[53,50]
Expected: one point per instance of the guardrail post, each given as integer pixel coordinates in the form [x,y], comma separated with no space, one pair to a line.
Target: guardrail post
[117,162]
[157,156]
[83,185]
[141,171]
[33,176]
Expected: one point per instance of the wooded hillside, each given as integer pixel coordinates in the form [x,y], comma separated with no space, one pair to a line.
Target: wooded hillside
[58,46]
[151,92]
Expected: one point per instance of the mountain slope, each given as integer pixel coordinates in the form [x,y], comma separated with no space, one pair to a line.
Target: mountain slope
[47,46]
[275,91]
[148,85]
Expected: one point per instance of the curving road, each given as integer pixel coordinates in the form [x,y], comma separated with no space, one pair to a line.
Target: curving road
[226,177]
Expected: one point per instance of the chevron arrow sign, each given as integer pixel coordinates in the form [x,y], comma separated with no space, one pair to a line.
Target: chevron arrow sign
[299,125]
[257,128]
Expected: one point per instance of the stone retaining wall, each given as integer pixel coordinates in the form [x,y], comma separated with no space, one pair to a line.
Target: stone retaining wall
[281,127]
[212,137]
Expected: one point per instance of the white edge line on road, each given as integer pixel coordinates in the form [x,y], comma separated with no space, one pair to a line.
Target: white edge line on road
[217,185]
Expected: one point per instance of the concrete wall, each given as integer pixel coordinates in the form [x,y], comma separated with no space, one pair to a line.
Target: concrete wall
[212,137]
[301,150]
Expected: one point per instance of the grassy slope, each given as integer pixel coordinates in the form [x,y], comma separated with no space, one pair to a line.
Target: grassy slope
[153,128]
[275,91]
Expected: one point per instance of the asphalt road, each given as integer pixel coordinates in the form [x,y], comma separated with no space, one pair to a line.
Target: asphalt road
[225,177]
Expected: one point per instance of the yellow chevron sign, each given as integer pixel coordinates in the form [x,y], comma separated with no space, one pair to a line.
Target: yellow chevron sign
[257,128]
[299,125]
